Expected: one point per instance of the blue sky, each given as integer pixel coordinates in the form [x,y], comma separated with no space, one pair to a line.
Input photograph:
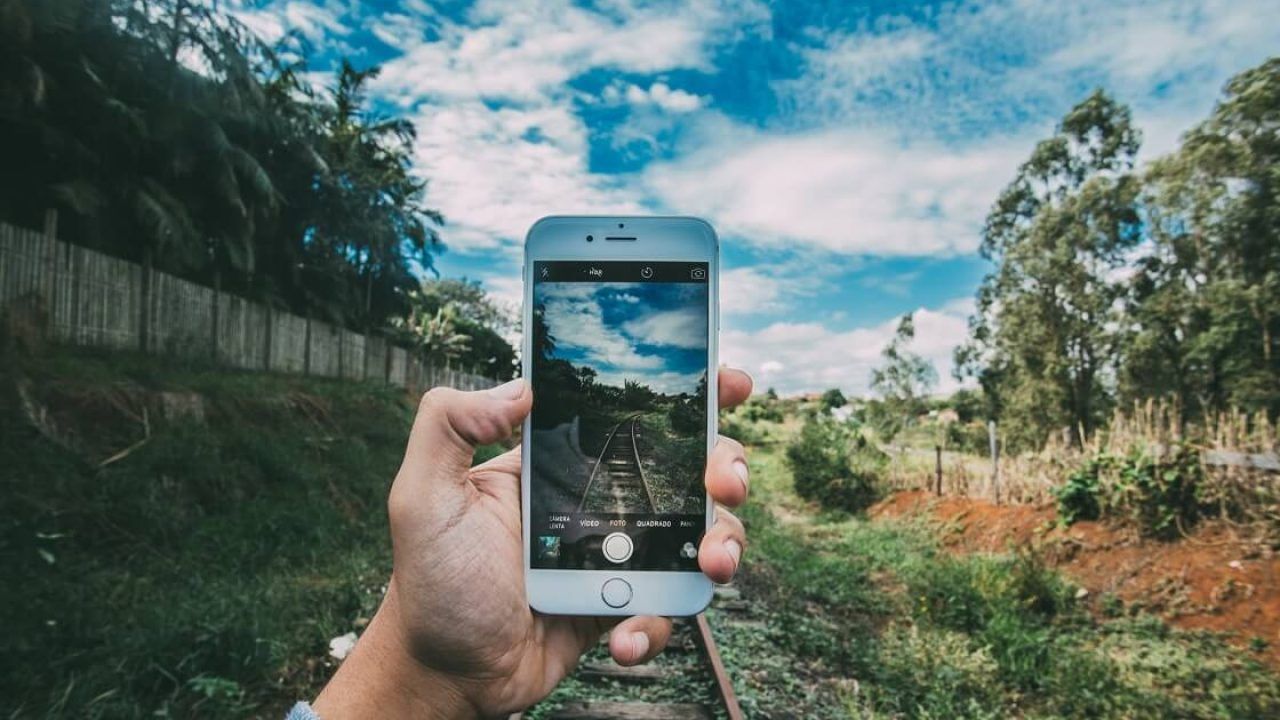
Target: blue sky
[847,152]
[652,333]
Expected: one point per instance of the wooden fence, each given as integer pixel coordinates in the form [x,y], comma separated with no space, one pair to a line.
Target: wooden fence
[94,299]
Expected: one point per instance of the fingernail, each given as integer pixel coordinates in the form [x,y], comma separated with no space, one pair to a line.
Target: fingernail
[740,469]
[734,548]
[639,644]
[509,391]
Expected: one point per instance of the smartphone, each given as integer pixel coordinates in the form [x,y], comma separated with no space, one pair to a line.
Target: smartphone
[620,326]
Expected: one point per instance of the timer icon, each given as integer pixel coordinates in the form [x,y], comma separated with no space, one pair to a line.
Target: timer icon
[646,272]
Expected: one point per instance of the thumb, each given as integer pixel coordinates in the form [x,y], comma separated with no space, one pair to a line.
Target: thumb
[451,423]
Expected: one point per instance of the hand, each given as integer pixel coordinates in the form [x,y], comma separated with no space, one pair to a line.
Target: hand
[454,636]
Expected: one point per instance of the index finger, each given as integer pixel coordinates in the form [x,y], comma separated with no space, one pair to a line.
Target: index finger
[734,387]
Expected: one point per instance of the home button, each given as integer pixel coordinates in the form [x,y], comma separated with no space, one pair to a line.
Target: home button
[616,593]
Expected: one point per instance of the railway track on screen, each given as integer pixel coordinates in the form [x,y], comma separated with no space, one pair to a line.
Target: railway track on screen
[617,483]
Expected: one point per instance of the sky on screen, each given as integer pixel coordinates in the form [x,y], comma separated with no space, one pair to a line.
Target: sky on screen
[651,333]
[847,152]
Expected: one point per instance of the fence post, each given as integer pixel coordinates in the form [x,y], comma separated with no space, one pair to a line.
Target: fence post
[217,300]
[995,459]
[306,346]
[51,255]
[144,307]
[937,451]
[386,363]
[266,339]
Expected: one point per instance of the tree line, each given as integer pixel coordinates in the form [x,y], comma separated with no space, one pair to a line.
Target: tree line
[167,133]
[1114,283]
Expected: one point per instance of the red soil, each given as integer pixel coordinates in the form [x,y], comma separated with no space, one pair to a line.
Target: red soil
[1208,581]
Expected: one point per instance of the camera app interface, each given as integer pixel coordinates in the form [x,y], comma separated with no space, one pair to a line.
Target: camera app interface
[619,435]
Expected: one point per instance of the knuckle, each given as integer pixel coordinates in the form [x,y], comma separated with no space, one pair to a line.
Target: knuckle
[434,400]
[732,445]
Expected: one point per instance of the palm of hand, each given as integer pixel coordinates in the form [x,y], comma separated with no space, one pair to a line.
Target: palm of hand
[482,628]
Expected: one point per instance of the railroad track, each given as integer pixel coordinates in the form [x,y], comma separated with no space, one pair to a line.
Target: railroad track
[691,635]
[617,483]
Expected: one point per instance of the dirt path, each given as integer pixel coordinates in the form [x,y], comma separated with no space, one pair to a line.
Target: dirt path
[1207,581]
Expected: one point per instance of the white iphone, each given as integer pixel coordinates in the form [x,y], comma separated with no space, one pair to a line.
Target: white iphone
[620,324]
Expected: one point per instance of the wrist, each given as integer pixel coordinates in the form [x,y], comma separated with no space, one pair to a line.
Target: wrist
[381,678]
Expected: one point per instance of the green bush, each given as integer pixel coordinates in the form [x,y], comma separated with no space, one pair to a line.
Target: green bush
[743,430]
[968,437]
[1078,496]
[834,465]
[687,416]
[1158,495]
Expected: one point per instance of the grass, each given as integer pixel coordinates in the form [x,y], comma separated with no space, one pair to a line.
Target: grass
[203,574]
[872,619]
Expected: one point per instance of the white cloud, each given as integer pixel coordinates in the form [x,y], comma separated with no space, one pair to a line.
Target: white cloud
[663,382]
[947,76]
[661,95]
[317,22]
[748,290]
[576,321]
[493,172]
[524,50]
[797,357]
[839,190]
[498,135]
[683,328]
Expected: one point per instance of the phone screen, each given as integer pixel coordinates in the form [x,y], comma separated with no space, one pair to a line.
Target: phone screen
[619,427]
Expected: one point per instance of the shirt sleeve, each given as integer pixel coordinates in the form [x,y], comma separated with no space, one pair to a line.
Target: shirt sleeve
[302,711]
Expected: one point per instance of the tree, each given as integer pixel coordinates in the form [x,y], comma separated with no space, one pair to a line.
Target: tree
[905,379]
[1044,338]
[832,399]
[166,133]
[479,318]
[1205,301]
[434,331]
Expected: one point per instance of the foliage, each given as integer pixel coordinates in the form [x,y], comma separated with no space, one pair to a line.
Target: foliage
[903,382]
[1078,497]
[832,399]
[1111,284]
[167,133]
[434,332]
[834,465]
[1205,300]
[456,323]
[688,415]
[1042,338]
[967,437]
[929,633]
[1159,495]
[203,574]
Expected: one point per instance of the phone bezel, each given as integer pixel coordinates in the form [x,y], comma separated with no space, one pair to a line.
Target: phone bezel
[578,592]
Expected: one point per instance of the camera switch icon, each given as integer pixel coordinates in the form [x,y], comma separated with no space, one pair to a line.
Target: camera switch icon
[698,274]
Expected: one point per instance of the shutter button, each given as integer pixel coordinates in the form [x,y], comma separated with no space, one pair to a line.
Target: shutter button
[617,547]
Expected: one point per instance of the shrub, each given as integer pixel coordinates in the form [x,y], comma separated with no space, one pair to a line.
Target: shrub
[1158,495]
[834,465]
[1078,496]
[743,430]
[687,416]
[968,437]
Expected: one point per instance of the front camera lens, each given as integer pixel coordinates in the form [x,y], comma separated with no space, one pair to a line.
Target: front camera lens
[589,238]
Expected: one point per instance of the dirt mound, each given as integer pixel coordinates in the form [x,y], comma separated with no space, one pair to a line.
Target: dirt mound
[1209,581]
